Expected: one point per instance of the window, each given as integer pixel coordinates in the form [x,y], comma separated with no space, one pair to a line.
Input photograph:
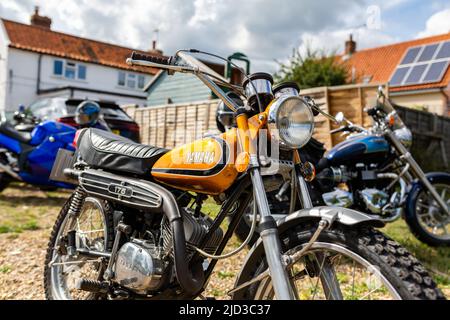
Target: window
[131,80]
[141,82]
[58,67]
[81,72]
[422,64]
[69,70]
[122,77]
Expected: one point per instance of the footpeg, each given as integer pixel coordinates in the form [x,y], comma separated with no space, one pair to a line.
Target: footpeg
[92,286]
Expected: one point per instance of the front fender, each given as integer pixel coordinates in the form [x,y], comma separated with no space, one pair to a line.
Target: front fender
[338,215]
[433,177]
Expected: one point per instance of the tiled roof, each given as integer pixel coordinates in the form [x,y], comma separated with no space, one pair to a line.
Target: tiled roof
[46,41]
[380,63]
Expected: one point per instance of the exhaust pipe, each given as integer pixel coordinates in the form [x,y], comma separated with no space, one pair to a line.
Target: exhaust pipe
[191,281]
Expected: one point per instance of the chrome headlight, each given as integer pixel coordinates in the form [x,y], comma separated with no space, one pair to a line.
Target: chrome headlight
[404,135]
[290,121]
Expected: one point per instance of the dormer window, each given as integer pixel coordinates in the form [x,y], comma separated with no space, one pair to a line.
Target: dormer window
[69,70]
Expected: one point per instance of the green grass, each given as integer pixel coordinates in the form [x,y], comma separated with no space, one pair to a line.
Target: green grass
[23,208]
[225,274]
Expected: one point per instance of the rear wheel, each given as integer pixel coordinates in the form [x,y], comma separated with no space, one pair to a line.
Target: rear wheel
[349,264]
[94,231]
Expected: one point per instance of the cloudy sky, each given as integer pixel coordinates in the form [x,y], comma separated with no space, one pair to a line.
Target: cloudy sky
[265,30]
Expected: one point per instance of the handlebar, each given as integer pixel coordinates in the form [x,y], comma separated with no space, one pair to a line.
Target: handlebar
[154,59]
[341,129]
[348,128]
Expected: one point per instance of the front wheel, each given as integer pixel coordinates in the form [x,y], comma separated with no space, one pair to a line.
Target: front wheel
[425,218]
[348,264]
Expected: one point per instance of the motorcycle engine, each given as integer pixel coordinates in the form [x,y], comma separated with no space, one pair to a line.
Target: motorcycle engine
[139,267]
[374,199]
[195,228]
[143,266]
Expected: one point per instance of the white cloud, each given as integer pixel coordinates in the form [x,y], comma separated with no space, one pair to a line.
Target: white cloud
[438,23]
[264,30]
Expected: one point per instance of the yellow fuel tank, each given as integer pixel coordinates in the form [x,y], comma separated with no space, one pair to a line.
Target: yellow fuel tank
[204,166]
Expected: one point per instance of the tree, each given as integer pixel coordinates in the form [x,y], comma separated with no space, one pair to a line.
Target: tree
[313,69]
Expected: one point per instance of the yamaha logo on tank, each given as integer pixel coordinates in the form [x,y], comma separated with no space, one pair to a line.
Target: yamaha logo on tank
[200,157]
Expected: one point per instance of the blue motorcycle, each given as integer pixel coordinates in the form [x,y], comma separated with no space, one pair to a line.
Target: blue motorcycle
[28,155]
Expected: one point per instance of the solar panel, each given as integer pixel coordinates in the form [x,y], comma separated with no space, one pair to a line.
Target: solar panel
[399,75]
[428,53]
[445,51]
[411,55]
[416,74]
[436,71]
[422,64]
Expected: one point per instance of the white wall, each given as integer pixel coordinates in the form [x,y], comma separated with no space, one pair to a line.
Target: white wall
[3,64]
[22,78]
[435,102]
[23,83]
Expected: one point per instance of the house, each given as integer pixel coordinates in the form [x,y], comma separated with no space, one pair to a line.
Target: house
[38,62]
[417,71]
[181,88]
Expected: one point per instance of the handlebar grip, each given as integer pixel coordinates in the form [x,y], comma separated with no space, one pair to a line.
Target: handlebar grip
[154,59]
[336,130]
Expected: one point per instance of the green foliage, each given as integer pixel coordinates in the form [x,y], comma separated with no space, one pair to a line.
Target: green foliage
[315,68]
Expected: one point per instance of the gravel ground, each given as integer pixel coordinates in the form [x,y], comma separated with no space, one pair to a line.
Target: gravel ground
[22,251]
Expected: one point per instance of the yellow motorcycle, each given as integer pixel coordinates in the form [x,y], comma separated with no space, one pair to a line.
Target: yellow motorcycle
[136,228]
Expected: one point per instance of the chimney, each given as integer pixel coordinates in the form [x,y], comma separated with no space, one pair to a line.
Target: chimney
[40,21]
[350,46]
[154,49]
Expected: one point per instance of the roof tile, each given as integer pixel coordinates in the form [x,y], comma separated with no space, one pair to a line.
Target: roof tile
[46,41]
[381,62]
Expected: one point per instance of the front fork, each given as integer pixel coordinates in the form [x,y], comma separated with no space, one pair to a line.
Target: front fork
[271,240]
[269,230]
[417,170]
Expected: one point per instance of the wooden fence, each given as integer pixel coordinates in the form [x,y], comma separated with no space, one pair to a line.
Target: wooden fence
[169,126]
[431,138]
[173,125]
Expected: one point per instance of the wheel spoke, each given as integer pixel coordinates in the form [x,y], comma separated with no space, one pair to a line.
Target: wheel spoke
[318,277]
[90,227]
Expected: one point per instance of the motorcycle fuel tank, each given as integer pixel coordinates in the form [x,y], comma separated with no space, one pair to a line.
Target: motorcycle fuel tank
[204,166]
[364,149]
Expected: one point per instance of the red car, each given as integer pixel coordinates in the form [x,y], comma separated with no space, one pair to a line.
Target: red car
[63,110]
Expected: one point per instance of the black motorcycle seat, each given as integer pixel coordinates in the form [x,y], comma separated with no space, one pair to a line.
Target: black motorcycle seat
[105,150]
[8,130]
